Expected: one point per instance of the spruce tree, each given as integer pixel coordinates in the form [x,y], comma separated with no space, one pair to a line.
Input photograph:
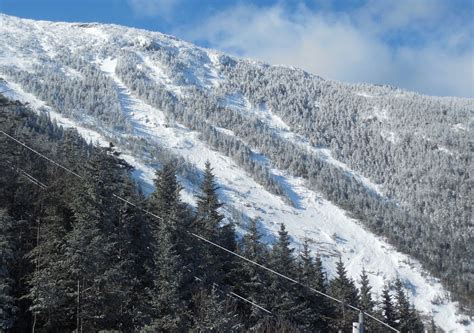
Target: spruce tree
[135,247]
[230,264]
[253,281]
[169,308]
[208,204]
[48,282]
[208,219]
[170,271]
[215,313]
[165,200]
[284,299]
[407,317]
[320,282]
[95,269]
[414,323]
[282,259]
[313,305]
[366,302]
[402,306]
[388,309]
[8,307]
[343,288]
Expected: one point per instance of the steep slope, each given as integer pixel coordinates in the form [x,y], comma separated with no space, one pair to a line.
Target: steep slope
[277,158]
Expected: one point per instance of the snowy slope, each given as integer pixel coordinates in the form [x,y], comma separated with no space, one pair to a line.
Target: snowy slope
[333,233]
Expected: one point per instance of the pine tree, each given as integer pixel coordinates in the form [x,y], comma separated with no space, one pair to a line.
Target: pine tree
[253,280]
[414,325]
[388,309]
[165,199]
[314,306]
[366,302]
[344,289]
[92,259]
[207,224]
[282,259]
[214,313]
[8,307]
[281,290]
[230,265]
[48,281]
[402,306]
[135,247]
[170,271]
[208,216]
[170,308]
[320,282]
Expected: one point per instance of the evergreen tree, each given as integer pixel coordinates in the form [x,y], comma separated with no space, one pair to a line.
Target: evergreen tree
[366,302]
[8,307]
[208,216]
[407,317]
[95,269]
[388,309]
[282,259]
[170,271]
[170,309]
[165,200]
[344,289]
[402,306]
[214,313]
[414,323]
[281,290]
[314,308]
[320,282]
[253,281]
[135,247]
[230,264]
[207,224]
[48,281]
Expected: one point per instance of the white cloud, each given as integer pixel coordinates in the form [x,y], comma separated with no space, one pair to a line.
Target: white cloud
[161,8]
[350,48]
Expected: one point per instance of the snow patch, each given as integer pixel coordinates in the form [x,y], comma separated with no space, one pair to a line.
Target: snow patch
[364,94]
[225,131]
[159,74]
[389,136]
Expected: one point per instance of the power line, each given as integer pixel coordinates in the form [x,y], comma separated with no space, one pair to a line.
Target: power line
[217,245]
[28,176]
[43,186]
[38,153]
[236,296]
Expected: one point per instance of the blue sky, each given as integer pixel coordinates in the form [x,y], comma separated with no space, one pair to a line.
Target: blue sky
[421,45]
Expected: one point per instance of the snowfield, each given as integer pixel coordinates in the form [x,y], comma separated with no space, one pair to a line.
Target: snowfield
[333,233]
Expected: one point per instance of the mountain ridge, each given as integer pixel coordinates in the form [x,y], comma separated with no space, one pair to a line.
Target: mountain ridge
[194,79]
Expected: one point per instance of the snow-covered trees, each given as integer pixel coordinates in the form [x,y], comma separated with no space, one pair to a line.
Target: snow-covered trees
[417,147]
[8,308]
[343,288]
[96,263]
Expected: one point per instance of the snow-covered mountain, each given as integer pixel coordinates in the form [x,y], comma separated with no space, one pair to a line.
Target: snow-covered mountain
[323,157]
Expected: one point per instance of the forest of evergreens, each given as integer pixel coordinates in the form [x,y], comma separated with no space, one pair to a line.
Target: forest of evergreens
[73,256]
[417,148]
